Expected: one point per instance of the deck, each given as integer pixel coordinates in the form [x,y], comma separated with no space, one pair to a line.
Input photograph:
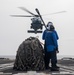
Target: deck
[66,68]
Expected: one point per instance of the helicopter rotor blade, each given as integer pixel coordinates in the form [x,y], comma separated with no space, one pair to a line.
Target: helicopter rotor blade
[40,17]
[28,11]
[21,16]
[55,13]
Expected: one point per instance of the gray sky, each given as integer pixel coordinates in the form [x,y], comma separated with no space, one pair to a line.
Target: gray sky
[13,30]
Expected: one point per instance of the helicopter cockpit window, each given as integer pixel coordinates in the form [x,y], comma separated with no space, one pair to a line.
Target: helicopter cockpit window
[36,20]
[36,23]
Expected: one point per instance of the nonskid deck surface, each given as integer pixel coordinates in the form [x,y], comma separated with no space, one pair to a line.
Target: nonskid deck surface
[66,68]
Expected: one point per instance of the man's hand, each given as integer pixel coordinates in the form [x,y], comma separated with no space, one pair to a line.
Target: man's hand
[57,51]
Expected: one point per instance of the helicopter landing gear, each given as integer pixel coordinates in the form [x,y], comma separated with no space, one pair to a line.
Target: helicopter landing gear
[32,31]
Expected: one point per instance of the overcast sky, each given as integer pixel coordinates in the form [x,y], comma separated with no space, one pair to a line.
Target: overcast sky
[13,30]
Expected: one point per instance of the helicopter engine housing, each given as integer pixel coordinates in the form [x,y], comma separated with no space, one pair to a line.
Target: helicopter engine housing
[36,23]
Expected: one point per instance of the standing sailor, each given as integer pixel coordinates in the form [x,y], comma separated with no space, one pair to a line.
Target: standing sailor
[51,47]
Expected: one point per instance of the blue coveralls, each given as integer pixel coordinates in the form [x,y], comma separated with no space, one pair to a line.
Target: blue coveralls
[51,45]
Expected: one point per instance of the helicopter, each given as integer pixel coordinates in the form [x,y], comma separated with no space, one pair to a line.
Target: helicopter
[37,20]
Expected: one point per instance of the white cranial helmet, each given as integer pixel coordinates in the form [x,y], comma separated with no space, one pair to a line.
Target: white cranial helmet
[48,25]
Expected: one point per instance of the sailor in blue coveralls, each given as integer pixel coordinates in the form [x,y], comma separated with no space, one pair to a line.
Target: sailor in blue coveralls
[51,46]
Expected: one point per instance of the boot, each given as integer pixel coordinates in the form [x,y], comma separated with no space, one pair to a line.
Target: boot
[57,66]
[54,69]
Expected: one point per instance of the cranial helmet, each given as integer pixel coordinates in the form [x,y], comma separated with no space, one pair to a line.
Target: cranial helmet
[49,23]
[50,26]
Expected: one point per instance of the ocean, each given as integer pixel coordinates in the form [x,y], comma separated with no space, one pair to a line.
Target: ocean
[8,56]
[58,56]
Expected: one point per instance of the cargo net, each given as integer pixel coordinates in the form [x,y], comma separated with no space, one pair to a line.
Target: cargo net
[30,56]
